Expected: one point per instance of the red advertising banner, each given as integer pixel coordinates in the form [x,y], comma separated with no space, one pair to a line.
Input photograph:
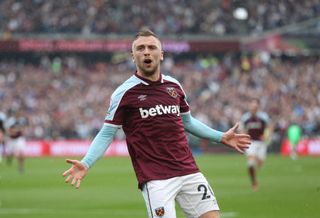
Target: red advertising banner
[80,45]
[8,46]
[65,148]
[270,43]
[215,45]
[113,45]
[305,147]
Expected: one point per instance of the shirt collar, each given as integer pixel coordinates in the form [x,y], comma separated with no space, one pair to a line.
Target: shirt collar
[147,81]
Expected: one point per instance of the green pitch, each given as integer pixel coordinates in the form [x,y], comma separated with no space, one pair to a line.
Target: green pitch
[288,189]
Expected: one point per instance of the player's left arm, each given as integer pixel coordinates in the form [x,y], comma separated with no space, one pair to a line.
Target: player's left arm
[239,142]
[267,133]
[268,130]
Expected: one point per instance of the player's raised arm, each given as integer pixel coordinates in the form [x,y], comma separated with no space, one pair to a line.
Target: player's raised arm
[99,145]
[239,142]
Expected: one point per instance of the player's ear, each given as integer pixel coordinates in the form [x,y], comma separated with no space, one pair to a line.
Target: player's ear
[162,56]
[132,57]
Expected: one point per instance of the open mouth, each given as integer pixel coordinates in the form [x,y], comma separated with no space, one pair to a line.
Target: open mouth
[147,61]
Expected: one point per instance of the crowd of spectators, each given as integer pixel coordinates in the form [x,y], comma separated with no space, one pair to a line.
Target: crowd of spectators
[67,97]
[211,17]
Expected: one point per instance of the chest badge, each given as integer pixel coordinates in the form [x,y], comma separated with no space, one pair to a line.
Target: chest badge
[172,92]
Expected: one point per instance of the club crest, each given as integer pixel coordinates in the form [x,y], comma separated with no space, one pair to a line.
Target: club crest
[159,211]
[172,92]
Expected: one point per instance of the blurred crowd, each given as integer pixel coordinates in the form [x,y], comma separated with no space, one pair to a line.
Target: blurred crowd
[67,97]
[212,17]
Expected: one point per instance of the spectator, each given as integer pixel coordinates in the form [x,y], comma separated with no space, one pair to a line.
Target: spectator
[57,106]
[182,17]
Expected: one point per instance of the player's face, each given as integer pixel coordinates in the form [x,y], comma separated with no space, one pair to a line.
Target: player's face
[147,55]
[254,107]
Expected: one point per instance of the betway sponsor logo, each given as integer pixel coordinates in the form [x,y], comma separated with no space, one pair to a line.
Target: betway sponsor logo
[159,110]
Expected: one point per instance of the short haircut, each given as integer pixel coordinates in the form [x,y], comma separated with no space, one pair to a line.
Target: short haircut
[145,32]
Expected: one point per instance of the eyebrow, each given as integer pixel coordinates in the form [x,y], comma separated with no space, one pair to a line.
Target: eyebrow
[147,45]
[156,44]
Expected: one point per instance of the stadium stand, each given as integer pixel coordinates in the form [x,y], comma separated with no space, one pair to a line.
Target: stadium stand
[70,101]
[64,95]
[166,17]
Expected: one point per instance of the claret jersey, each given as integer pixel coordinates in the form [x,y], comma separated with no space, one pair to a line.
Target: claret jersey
[255,125]
[150,114]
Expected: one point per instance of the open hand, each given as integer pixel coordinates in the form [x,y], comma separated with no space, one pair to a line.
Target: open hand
[239,142]
[76,172]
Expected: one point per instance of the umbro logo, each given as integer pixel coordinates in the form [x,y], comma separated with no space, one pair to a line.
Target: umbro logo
[142,97]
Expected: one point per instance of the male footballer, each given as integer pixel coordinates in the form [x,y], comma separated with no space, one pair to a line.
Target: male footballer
[153,111]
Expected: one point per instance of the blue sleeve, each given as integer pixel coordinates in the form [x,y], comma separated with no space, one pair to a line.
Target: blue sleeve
[99,145]
[199,129]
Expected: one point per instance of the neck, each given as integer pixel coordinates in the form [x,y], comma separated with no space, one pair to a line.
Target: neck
[152,77]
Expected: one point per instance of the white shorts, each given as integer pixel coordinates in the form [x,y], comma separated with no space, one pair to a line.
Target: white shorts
[257,149]
[16,146]
[192,192]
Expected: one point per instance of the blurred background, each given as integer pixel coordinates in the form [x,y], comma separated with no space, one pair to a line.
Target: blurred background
[61,60]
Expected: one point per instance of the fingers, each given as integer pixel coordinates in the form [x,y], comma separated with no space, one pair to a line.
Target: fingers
[71,161]
[235,127]
[239,149]
[244,142]
[244,139]
[75,181]
[243,136]
[68,178]
[242,147]
[67,172]
[72,174]
[78,183]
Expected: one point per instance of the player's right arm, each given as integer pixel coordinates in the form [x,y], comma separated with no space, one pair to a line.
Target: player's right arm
[101,142]
[99,145]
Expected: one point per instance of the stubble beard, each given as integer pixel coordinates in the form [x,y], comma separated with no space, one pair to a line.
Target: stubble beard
[148,71]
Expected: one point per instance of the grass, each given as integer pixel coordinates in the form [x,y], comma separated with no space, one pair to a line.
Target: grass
[288,189]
